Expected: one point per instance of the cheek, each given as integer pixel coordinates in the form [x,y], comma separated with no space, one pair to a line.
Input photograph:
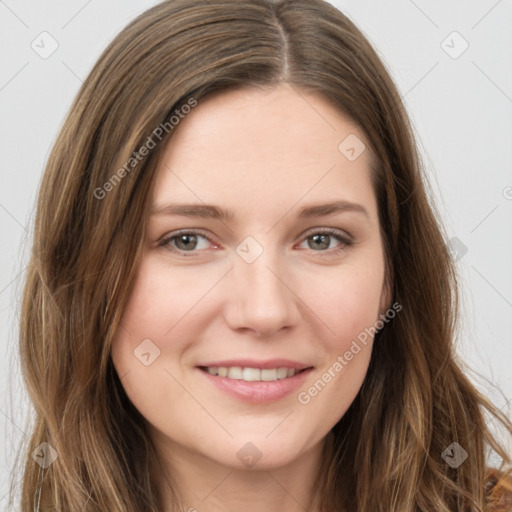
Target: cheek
[347,300]
[348,303]
[162,314]
[141,359]
[162,304]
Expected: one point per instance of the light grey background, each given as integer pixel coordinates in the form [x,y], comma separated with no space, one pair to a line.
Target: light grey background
[461,107]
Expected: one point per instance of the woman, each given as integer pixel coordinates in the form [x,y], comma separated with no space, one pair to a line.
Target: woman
[239,294]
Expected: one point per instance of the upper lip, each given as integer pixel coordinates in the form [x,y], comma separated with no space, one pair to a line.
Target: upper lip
[253,363]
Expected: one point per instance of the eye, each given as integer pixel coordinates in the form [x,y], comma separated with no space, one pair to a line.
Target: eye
[183,242]
[320,241]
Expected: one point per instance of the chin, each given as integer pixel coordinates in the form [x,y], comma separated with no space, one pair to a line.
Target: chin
[258,453]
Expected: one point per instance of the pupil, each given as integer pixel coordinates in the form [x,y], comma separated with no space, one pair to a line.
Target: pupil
[319,238]
[187,239]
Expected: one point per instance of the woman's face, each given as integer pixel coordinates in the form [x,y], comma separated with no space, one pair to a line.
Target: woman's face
[256,281]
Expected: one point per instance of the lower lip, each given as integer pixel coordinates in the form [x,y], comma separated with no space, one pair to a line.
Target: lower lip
[259,391]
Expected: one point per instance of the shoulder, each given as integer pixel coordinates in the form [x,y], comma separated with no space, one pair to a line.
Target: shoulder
[498,491]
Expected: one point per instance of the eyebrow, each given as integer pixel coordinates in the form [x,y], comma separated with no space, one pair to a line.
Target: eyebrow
[218,213]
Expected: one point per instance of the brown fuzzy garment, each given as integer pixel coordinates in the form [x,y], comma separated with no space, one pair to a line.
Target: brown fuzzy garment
[498,491]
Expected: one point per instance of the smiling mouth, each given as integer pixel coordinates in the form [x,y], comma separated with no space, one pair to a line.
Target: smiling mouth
[252,374]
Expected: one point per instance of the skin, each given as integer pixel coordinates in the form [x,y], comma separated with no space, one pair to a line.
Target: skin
[263,154]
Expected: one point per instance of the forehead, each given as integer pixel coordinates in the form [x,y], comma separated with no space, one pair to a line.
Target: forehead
[278,117]
[257,144]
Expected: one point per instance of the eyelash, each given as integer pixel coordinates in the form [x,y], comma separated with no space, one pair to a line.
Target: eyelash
[345,241]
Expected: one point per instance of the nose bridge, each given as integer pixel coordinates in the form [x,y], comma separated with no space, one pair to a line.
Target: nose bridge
[262,297]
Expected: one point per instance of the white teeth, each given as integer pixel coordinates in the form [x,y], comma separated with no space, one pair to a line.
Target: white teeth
[269,374]
[235,372]
[252,374]
[282,373]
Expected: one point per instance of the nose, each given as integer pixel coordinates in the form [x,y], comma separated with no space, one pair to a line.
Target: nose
[261,296]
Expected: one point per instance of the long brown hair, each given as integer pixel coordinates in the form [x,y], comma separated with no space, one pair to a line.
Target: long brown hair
[386,452]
